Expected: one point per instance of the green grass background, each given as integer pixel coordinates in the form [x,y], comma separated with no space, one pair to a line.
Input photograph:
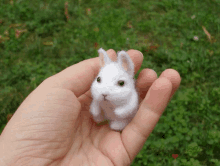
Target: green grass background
[190,126]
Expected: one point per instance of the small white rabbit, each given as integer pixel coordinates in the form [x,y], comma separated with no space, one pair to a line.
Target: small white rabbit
[115,97]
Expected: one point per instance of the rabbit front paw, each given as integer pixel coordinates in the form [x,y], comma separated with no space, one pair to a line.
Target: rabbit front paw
[98,118]
[96,113]
[120,113]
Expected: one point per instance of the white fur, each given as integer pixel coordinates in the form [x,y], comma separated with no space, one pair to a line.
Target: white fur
[122,101]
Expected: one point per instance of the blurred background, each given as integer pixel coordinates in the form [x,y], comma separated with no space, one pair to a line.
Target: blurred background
[42,37]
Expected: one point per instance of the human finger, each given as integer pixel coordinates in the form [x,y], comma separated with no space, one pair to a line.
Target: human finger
[152,107]
[145,79]
[78,78]
[174,78]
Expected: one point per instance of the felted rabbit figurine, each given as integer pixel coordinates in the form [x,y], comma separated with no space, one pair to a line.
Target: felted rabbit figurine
[115,97]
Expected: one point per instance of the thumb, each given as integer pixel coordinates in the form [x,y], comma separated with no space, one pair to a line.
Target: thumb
[151,108]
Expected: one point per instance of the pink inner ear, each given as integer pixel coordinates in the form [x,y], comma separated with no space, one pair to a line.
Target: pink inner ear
[101,60]
[125,64]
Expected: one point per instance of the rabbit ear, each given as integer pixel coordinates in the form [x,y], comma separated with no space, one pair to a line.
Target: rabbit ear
[103,57]
[126,63]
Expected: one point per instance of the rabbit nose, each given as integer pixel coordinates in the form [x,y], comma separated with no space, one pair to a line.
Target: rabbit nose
[104,95]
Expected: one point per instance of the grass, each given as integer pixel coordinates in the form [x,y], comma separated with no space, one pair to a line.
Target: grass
[163,30]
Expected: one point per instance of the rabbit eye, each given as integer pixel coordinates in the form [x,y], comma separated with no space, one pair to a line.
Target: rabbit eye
[121,83]
[98,79]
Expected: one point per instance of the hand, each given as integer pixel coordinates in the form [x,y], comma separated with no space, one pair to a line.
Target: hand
[53,125]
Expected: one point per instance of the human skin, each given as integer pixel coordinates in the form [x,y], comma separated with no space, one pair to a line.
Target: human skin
[53,125]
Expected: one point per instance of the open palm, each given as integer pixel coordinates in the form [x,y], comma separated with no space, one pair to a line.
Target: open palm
[53,125]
